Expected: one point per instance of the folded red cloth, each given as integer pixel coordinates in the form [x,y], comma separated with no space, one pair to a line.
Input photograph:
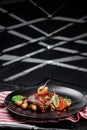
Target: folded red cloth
[6,116]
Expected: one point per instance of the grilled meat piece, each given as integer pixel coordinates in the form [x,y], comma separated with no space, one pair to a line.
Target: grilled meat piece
[42,102]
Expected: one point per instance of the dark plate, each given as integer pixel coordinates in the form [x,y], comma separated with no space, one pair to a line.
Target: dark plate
[79,101]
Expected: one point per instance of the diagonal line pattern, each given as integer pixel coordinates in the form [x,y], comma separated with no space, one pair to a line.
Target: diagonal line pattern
[62,62]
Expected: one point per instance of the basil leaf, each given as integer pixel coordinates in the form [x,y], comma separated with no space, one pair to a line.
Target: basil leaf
[17,98]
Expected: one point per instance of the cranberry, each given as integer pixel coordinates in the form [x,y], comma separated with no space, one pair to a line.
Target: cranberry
[59,113]
[64,110]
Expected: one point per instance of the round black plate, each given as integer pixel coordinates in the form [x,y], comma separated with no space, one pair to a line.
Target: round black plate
[78,102]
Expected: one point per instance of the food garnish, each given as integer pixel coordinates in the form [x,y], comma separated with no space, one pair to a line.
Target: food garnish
[43,100]
[68,101]
[62,105]
[55,100]
[42,90]
[17,98]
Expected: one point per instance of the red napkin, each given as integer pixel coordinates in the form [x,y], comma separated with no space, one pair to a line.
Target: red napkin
[5,115]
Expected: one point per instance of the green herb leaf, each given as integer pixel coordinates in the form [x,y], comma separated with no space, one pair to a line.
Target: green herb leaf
[17,98]
[67,99]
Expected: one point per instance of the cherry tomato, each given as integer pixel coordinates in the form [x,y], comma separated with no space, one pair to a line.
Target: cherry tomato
[43,90]
[62,105]
[43,93]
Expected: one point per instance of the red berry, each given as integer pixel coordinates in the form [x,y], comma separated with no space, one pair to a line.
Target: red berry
[59,113]
[64,110]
